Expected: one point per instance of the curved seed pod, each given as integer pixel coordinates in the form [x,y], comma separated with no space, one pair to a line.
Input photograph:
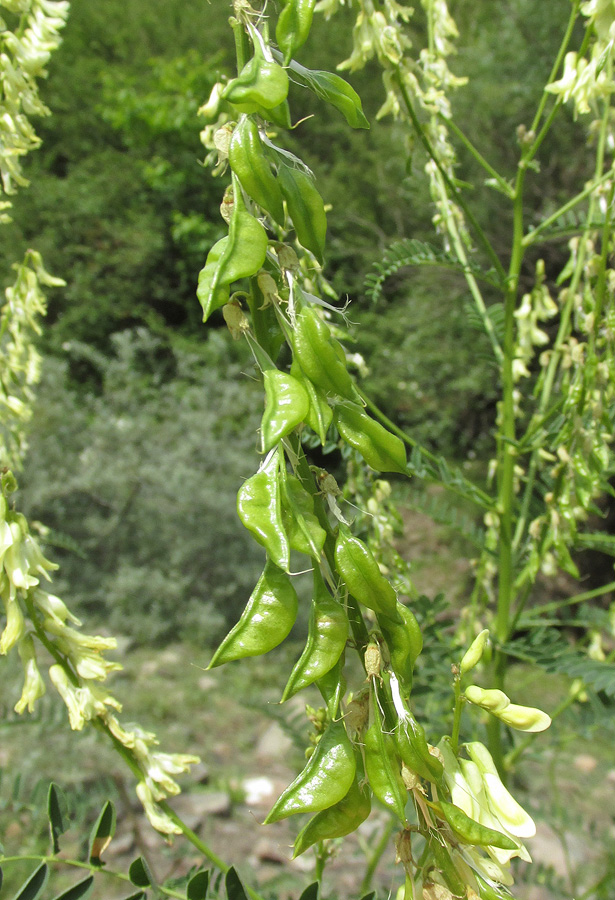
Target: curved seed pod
[261,82]
[364,580]
[327,635]
[382,765]
[316,352]
[472,832]
[305,207]
[325,780]
[209,298]
[249,161]
[320,414]
[247,244]
[294,26]
[286,406]
[265,622]
[337,821]
[412,745]
[404,641]
[305,534]
[333,90]
[380,449]
[260,509]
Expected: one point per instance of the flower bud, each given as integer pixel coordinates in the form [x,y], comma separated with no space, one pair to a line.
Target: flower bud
[493,701]
[15,625]
[524,718]
[474,654]
[34,686]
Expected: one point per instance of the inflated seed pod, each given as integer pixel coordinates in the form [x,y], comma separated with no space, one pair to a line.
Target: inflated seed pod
[209,298]
[404,642]
[380,449]
[362,576]
[339,820]
[316,352]
[286,406]
[260,509]
[265,622]
[293,26]
[325,780]
[326,640]
[305,207]
[320,414]
[261,83]
[305,534]
[249,161]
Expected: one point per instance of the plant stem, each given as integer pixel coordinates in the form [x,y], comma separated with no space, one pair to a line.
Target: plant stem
[482,237]
[457,715]
[571,601]
[503,184]
[531,236]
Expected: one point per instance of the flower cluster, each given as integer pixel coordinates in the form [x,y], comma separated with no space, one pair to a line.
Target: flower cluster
[24,53]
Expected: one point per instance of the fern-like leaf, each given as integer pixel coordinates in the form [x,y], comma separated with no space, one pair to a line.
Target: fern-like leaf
[411,252]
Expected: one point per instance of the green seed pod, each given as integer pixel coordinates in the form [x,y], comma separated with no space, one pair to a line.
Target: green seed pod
[247,243]
[261,82]
[320,414]
[249,161]
[327,635]
[472,832]
[305,534]
[411,742]
[364,580]
[325,780]
[337,821]
[316,353]
[294,26]
[446,867]
[260,509]
[332,686]
[404,642]
[267,619]
[305,207]
[209,298]
[379,448]
[286,406]
[382,766]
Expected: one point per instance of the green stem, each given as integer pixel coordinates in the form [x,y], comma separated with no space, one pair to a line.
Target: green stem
[320,863]
[480,234]
[241,43]
[457,716]
[474,493]
[503,184]
[571,601]
[531,237]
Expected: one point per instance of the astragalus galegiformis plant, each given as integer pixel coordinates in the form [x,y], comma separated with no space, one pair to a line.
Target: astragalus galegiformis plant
[552,345]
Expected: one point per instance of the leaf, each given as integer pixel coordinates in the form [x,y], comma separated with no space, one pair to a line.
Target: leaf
[56,810]
[369,896]
[140,895]
[81,889]
[605,543]
[311,892]
[139,873]
[234,887]
[101,833]
[34,885]
[411,252]
[197,886]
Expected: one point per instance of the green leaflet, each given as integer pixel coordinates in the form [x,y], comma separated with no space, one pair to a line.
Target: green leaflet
[327,635]
[337,821]
[287,405]
[305,207]
[305,534]
[265,622]
[325,780]
[362,576]
[380,449]
[260,509]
